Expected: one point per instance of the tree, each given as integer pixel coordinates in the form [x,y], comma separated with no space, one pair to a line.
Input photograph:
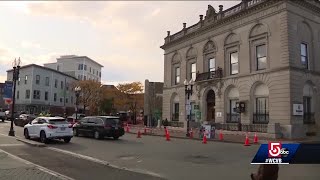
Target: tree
[90,95]
[127,95]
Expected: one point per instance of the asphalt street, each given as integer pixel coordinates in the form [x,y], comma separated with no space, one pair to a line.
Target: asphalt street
[175,159]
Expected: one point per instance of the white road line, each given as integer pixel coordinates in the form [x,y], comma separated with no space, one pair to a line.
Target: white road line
[104,162]
[6,145]
[269,163]
[56,174]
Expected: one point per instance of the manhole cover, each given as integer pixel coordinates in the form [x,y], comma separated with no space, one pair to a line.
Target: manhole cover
[199,157]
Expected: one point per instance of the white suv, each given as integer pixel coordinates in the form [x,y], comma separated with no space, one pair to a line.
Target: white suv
[47,128]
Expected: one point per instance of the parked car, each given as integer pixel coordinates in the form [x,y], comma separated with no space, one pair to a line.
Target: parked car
[72,119]
[47,128]
[99,127]
[24,119]
[3,114]
[15,115]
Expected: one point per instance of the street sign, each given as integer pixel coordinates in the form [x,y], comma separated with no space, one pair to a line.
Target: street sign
[298,109]
[8,101]
[8,90]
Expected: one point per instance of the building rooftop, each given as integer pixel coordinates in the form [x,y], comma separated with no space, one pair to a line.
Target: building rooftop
[215,19]
[46,68]
[74,56]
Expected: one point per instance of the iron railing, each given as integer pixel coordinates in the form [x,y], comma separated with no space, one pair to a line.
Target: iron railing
[209,75]
[233,118]
[261,118]
[308,118]
[175,117]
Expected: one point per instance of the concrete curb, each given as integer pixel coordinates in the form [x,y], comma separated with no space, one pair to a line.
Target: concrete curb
[196,139]
[30,142]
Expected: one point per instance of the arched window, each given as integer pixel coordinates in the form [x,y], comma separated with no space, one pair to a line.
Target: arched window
[261,104]
[258,40]
[232,99]
[191,64]
[176,69]
[305,38]
[209,51]
[232,51]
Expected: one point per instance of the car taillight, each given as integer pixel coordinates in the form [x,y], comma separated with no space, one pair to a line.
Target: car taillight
[52,127]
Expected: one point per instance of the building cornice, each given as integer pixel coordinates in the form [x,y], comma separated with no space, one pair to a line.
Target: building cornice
[239,15]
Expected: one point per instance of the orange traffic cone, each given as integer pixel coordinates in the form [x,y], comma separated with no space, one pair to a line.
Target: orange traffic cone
[204,140]
[139,134]
[191,134]
[167,136]
[221,136]
[255,139]
[246,142]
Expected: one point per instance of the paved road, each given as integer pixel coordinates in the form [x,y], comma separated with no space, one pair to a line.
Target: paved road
[178,159]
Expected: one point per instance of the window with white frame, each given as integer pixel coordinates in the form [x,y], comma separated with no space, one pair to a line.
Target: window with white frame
[36,94]
[177,75]
[47,81]
[304,55]
[234,63]
[261,57]
[193,71]
[212,64]
[27,94]
[37,79]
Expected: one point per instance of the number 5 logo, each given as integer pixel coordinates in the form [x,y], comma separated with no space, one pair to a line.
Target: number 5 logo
[274,149]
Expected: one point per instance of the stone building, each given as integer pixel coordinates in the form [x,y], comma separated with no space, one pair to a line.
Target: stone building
[261,53]
[153,100]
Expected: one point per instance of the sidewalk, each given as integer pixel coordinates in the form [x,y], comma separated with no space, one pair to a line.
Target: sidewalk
[228,136]
[14,168]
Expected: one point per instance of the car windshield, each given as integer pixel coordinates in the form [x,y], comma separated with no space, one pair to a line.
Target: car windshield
[58,121]
[112,121]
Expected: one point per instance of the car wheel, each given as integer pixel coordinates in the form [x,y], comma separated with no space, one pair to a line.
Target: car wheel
[43,137]
[26,134]
[75,132]
[115,137]
[67,140]
[97,135]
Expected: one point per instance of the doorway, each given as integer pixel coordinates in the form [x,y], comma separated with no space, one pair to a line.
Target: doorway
[211,102]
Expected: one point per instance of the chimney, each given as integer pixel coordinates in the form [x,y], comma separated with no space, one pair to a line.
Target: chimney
[201,17]
[220,8]
[184,25]
[168,33]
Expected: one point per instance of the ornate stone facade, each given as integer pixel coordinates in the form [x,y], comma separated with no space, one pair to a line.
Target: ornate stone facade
[267,51]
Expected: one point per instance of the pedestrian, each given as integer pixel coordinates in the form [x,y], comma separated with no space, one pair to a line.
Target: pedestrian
[266,172]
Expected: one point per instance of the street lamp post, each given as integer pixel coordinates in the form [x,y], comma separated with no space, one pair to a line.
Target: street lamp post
[15,77]
[188,92]
[77,90]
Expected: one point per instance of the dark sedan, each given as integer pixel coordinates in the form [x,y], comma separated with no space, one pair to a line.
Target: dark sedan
[99,127]
[24,119]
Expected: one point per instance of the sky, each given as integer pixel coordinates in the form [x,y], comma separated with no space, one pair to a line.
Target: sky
[124,36]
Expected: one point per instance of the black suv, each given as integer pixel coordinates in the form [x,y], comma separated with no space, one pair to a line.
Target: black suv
[99,127]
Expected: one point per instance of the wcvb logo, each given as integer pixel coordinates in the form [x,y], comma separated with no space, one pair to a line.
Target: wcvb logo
[274,149]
